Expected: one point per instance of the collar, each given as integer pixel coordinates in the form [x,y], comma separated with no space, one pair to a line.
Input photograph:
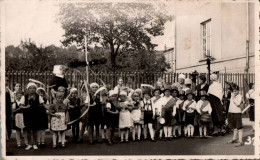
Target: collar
[59,75]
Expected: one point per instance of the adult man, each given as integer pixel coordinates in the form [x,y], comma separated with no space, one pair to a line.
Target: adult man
[180,84]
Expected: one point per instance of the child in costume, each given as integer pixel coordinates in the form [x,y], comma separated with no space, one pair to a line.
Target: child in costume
[19,118]
[125,119]
[59,114]
[235,117]
[189,107]
[178,113]
[149,114]
[74,108]
[112,116]
[43,118]
[203,107]
[251,99]
[136,116]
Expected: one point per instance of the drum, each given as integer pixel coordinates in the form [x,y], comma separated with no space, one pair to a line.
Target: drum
[206,118]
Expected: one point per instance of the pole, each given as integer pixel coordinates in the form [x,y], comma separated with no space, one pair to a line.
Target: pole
[86,56]
[87,69]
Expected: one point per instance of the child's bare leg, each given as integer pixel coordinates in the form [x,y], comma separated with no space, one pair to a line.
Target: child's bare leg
[151,131]
[188,130]
[63,137]
[54,138]
[122,132]
[201,127]
[185,130]
[165,131]
[192,130]
[18,137]
[205,130]
[127,134]
[133,132]
[145,131]
[240,135]
[138,131]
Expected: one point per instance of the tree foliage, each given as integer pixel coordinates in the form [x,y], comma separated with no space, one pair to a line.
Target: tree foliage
[114,26]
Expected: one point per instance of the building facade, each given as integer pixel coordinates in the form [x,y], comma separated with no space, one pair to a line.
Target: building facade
[223,31]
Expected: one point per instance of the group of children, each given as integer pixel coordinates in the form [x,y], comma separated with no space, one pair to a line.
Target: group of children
[162,112]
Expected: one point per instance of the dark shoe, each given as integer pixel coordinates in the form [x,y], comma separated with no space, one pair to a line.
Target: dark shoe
[80,141]
[126,141]
[122,141]
[139,140]
[54,147]
[239,144]
[201,137]
[98,141]
[153,140]
[109,143]
[19,146]
[43,145]
[114,142]
[63,146]
[91,142]
[205,137]
[232,141]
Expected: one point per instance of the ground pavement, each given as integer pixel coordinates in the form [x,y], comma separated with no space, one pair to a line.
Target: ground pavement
[182,146]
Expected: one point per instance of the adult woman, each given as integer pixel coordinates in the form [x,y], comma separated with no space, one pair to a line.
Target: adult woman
[202,86]
[215,93]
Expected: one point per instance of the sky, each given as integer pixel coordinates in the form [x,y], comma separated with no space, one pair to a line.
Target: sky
[37,21]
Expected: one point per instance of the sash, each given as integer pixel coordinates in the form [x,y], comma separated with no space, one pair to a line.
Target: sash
[154,101]
[171,102]
[204,104]
[188,104]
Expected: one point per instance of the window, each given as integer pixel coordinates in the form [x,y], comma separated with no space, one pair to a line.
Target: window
[206,38]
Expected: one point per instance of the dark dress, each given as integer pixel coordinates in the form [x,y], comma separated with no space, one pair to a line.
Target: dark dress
[95,116]
[35,116]
[75,112]
[200,88]
[8,113]
[252,110]
[217,110]
[112,120]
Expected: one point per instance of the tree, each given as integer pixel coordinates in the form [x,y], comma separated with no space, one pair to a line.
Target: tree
[116,26]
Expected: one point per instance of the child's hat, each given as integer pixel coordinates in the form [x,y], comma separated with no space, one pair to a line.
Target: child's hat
[138,90]
[182,93]
[189,91]
[30,84]
[147,91]
[19,92]
[40,89]
[187,81]
[181,76]
[167,88]
[73,90]
[59,95]
[112,92]
[174,88]
[157,88]
[93,84]
[123,93]
[203,93]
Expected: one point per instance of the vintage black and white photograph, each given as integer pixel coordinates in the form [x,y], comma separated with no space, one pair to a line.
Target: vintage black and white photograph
[129,78]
